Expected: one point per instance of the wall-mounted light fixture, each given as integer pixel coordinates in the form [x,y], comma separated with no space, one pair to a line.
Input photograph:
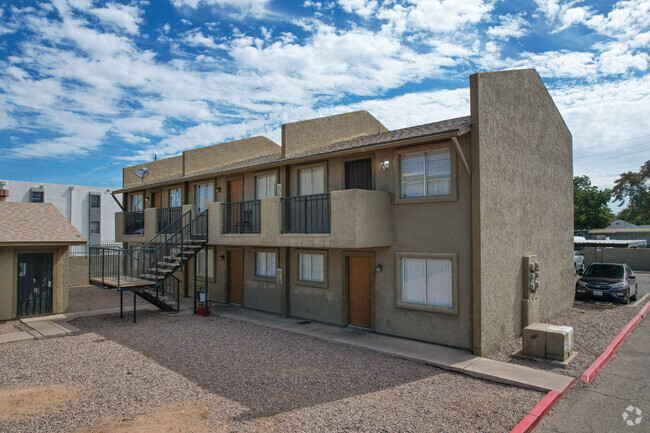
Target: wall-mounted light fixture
[218,189]
[378,268]
[222,258]
[385,165]
[146,199]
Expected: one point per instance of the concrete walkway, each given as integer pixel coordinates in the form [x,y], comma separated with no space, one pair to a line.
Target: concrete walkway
[443,357]
[622,386]
[57,325]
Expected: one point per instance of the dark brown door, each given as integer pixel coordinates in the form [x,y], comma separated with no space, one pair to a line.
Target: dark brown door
[358,174]
[155,199]
[235,191]
[235,275]
[359,284]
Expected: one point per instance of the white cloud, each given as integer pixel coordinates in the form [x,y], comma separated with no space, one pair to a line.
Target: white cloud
[511,26]
[620,62]
[198,39]
[244,7]
[363,8]
[123,16]
[571,64]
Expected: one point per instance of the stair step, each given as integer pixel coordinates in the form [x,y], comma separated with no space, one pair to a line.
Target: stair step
[161,270]
[152,277]
[169,264]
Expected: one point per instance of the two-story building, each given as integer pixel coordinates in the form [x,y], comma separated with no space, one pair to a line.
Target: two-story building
[424,232]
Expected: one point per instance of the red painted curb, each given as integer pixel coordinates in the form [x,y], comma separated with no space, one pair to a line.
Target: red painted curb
[533,418]
[644,310]
[598,364]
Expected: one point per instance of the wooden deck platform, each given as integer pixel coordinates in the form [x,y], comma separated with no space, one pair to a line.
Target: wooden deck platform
[125,282]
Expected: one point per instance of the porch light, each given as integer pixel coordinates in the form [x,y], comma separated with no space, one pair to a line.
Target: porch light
[378,268]
[385,165]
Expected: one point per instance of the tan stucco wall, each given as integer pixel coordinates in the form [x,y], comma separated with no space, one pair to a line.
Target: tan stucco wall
[298,137]
[78,270]
[9,280]
[522,202]
[158,170]
[209,157]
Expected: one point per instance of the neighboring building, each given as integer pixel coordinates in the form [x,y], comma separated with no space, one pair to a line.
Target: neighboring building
[90,209]
[422,232]
[622,230]
[34,241]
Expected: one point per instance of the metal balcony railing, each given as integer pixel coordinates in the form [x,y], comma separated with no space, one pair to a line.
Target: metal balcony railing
[306,214]
[168,219]
[134,222]
[241,217]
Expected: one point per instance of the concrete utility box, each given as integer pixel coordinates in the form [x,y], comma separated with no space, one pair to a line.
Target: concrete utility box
[559,342]
[534,339]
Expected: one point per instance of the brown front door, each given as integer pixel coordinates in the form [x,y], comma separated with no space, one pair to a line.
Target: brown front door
[235,190]
[359,284]
[235,275]
[155,199]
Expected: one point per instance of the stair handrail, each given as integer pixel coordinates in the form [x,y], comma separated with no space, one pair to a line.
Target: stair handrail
[162,232]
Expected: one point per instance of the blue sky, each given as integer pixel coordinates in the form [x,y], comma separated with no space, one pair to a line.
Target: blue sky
[89,87]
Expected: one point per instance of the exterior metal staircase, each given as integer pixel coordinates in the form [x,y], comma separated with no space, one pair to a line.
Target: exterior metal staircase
[148,271]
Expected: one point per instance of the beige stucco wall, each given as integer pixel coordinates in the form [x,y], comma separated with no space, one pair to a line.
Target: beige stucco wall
[78,270]
[298,137]
[158,170]
[522,202]
[9,280]
[209,157]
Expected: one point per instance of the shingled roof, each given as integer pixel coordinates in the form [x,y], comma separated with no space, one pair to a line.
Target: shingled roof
[35,223]
[420,131]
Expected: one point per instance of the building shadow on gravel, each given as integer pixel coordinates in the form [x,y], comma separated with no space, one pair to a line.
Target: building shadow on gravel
[267,370]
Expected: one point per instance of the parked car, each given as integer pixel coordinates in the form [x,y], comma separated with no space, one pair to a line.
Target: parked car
[614,281]
[578,263]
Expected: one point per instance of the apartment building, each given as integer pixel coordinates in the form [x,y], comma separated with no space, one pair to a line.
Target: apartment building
[457,232]
[90,209]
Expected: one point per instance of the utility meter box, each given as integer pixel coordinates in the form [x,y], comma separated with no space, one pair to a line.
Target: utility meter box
[559,342]
[534,340]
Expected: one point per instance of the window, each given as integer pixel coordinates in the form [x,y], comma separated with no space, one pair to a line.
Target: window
[136,202]
[94,227]
[311,267]
[426,174]
[36,196]
[95,200]
[311,180]
[427,281]
[204,195]
[264,186]
[175,197]
[265,264]
[200,268]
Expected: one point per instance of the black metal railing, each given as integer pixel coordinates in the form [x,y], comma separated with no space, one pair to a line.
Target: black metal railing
[241,217]
[168,219]
[83,250]
[306,214]
[134,222]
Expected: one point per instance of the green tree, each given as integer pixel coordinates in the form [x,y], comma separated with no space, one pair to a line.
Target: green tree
[590,210]
[635,188]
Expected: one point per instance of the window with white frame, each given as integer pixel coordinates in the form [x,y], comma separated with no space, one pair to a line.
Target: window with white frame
[311,180]
[95,200]
[137,202]
[36,196]
[311,267]
[265,264]
[264,186]
[94,227]
[427,281]
[175,197]
[200,268]
[426,174]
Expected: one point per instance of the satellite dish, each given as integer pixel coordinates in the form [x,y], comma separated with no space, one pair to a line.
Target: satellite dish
[142,172]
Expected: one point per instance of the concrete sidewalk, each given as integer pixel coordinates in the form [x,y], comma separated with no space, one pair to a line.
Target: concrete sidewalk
[443,357]
[57,325]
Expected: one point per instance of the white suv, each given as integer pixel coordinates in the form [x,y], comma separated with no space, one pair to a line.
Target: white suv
[578,263]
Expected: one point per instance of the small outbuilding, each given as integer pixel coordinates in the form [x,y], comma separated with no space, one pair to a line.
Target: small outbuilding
[34,241]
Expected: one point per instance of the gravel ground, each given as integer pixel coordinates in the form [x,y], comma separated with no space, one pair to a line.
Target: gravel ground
[593,329]
[187,373]
[12,326]
[88,298]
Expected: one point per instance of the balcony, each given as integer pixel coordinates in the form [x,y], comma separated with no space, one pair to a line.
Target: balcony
[134,223]
[166,216]
[240,217]
[140,226]
[341,219]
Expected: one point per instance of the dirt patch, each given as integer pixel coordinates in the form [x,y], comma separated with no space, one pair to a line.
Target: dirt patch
[19,402]
[183,417]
